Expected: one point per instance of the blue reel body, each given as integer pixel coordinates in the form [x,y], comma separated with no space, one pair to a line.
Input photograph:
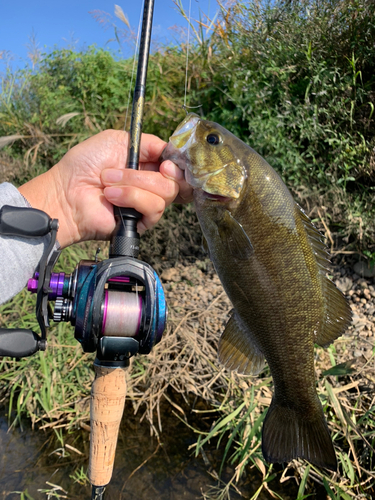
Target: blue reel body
[82,299]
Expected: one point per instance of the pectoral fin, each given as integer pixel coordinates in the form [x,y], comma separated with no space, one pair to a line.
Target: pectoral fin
[234,238]
[237,351]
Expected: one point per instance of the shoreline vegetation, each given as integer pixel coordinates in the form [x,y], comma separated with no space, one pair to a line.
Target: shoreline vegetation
[295,80]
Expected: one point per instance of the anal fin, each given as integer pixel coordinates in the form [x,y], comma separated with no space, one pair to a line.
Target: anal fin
[237,351]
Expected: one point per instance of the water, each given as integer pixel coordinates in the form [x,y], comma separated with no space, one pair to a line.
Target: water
[33,462]
[20,456]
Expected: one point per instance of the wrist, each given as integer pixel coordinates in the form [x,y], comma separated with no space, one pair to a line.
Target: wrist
[46,193]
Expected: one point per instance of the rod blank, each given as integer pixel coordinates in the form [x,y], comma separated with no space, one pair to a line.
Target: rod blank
[140,86]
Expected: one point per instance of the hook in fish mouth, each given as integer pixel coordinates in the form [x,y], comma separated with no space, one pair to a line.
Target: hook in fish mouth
[185,108]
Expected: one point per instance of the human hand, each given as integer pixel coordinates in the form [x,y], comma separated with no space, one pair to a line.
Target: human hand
[74,190]
[133,188]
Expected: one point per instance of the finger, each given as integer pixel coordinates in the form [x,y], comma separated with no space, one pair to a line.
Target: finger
[152,182]
[150,205]
[151,148]
[171,171]
[149,166]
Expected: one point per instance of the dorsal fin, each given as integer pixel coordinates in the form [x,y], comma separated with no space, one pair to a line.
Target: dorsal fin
[237,351]
[337,313]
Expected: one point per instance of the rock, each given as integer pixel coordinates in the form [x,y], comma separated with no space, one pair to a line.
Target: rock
[362,269]
[362,283]
[344,284]
[358,320]
[367,294]
[170,274]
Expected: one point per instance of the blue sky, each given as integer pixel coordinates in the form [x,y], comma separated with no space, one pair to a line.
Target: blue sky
[68,23]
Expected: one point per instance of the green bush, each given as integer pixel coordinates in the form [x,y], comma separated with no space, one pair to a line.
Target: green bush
[296,81]
[69,97]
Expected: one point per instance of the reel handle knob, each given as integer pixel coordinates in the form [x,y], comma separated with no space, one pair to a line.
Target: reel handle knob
[26,222]
[19,343]
[106,408]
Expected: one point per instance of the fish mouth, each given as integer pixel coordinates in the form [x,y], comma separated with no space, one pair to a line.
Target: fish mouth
[190,121]
[216,197]
[185,132]
[180,141]
[170,152]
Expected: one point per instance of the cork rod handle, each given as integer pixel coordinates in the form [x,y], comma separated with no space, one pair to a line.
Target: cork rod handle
[107,405]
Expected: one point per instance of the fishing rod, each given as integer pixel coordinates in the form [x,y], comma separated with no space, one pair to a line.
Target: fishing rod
[109,387]
[117,306]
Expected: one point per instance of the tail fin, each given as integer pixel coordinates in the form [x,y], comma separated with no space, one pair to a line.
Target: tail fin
[288,434]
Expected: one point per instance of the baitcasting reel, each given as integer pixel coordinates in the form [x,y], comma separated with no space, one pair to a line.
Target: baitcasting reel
[117,306]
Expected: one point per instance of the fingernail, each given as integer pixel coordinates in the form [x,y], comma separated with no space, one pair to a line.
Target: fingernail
[111,175]
[112,192]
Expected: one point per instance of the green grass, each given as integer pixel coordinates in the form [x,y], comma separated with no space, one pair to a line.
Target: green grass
[50,386]
[348,409]
[52,389]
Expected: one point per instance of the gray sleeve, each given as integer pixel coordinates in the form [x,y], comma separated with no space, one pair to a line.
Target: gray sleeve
[19,257]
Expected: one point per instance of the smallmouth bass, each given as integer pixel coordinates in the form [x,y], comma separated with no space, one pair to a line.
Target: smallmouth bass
[272,263]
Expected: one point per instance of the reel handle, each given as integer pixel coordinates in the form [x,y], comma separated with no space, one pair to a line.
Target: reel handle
[19,342]
[106,408]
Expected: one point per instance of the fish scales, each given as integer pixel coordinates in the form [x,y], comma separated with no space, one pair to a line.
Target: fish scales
[272,264]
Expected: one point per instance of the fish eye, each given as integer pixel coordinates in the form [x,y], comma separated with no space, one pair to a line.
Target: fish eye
[213,139]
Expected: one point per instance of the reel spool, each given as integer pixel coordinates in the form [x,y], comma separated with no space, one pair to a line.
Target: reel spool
[122,314]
